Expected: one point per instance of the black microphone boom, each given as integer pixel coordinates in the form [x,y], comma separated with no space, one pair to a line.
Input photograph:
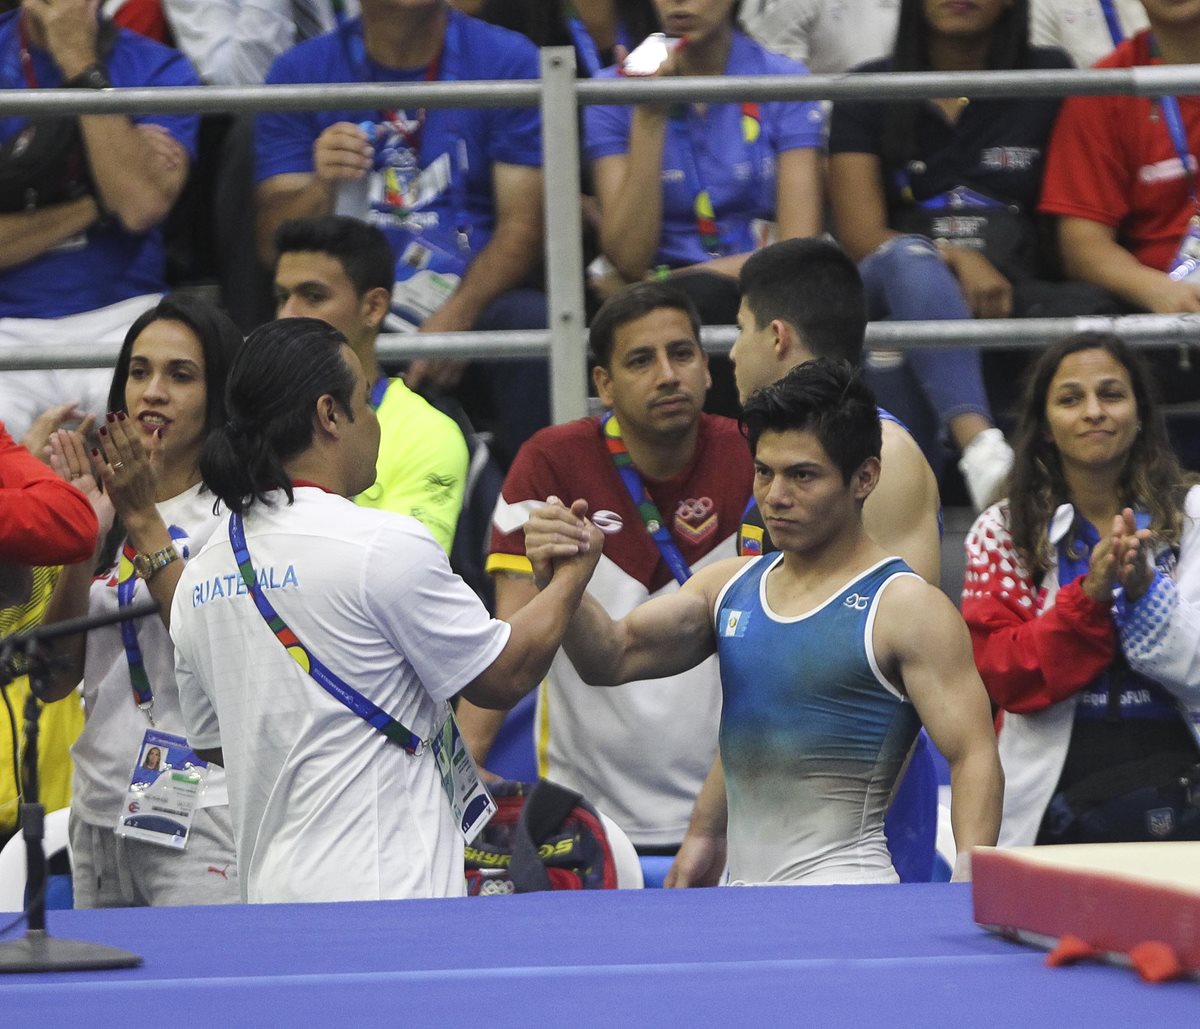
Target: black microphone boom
[74,626]
[39,951]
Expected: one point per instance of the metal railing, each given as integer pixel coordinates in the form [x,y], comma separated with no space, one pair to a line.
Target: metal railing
[559,95]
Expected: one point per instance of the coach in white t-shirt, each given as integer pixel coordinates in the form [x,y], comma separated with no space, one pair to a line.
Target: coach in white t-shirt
[324,806]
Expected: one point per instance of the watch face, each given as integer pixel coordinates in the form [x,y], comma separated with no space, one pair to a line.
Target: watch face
[145,565]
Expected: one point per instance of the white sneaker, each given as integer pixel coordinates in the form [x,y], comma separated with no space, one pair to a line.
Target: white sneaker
[985,464]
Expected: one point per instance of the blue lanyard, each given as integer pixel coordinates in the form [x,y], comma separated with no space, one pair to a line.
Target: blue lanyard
[703,210]
[750,125]
[143,694]
[327,679]
[610,429]
[378,391]
[356,54]
[1173,119]
[1114,24]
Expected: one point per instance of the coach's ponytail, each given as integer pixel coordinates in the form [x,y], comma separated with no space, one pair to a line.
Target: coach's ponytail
[270,400]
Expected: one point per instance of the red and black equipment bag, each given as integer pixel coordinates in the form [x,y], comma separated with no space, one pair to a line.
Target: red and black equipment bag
[542,837]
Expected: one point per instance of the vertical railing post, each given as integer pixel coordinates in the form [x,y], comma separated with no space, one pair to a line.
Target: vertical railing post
[564,254]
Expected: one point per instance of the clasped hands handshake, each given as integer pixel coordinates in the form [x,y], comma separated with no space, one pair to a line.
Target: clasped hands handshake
[558,538]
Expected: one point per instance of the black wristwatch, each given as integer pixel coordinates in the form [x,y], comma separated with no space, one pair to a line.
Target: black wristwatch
[93,76]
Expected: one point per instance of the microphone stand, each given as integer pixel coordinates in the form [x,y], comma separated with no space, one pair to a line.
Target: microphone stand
[38,951]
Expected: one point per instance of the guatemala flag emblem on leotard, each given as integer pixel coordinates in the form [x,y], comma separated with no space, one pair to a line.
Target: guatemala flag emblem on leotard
[735,623]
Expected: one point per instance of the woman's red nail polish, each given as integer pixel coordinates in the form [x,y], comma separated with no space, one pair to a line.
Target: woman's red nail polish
[95,452]
[103,431]
[111,417]
[120,416]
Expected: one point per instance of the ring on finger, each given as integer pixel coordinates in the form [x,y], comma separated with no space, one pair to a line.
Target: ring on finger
[118,465]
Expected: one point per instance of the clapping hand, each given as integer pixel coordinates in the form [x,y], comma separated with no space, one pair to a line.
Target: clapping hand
[1133,566]
[37,439]
[1101,578]
[69,458]
[128,468]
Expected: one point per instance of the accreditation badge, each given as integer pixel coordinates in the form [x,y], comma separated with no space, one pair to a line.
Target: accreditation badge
[1186,264]
[470,801]
[164,791]
[415,298]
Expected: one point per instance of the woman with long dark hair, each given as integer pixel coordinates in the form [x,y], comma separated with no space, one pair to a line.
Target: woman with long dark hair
[1096,746]
[167,394]
[937,200]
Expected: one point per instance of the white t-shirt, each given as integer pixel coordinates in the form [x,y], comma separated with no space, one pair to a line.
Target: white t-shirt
[110,744]
[829,36]
[324,807]
[233,42]
[1079,26]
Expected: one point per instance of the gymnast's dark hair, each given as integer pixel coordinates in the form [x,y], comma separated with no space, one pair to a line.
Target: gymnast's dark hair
[271,397]
[811,284]
[827,398]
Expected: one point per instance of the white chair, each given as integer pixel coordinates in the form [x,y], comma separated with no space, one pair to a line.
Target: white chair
[629,867]
[12,858]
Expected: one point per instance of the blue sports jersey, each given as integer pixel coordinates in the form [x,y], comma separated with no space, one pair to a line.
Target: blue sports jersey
[465,141]
[106,264]
[813,736]
[727,151]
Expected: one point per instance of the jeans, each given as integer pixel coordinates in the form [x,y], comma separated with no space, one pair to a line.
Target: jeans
[906,280]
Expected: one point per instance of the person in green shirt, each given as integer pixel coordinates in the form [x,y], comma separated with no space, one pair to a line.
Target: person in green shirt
[341,270]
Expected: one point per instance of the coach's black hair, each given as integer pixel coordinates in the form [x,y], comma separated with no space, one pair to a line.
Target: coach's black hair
[285,367]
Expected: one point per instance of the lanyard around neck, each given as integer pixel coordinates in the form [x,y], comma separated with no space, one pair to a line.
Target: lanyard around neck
[355,47]
[642,500]
[1115,32]
[143,695]
[1173,120]
[707,228]
[325,677]
[379,391]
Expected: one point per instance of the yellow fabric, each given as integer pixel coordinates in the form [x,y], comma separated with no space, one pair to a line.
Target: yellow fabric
[422,466]
[58,727]
[543,730]
[508,563]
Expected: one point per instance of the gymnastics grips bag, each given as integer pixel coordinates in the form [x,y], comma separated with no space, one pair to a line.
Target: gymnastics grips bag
[542,837]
